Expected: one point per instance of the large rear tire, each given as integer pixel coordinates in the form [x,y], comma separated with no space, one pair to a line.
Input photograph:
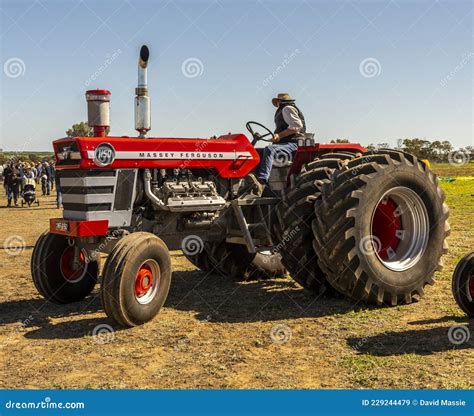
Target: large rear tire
[54,275]
[463,284]
[380,228]
[297,213]
[136,279]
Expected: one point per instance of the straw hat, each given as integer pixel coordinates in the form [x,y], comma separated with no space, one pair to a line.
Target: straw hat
[283,96]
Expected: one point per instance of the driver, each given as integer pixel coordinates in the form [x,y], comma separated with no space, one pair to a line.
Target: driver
[289,126]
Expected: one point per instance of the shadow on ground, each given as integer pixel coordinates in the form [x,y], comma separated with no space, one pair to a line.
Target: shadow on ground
[210,297]
[420,342]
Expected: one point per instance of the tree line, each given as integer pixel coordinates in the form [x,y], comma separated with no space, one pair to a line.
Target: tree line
[436,151]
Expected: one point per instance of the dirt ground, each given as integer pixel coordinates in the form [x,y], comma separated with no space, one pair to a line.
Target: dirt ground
[217,333]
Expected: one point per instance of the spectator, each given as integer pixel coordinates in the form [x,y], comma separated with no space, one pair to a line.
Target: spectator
[21,168]
[53,174]
[12,183]
[59,197]
[35,172]
[46,179]
[39,172]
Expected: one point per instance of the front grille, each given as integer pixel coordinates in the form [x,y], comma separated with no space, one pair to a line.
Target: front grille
[98,194]
[84,190]
[87,207]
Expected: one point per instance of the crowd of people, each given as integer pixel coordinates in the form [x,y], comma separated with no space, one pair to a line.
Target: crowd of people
[15,173]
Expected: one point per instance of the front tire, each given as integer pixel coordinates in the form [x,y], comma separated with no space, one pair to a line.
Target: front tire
[53,273]
[136,279]
[463,284]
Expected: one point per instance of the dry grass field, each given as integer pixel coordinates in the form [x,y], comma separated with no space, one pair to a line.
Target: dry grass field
[215,333]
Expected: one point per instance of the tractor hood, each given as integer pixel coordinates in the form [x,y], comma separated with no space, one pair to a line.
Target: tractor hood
[232,155]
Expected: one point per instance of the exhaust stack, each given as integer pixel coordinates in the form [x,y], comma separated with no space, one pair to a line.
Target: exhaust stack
[142,100]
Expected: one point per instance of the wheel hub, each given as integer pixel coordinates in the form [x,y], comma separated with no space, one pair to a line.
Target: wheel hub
[400,228]
[147,281]
[143,281]
[386,228]
[70,271]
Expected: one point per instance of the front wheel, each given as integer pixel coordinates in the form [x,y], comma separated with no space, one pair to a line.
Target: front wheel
[463,284]
[57,275]
[136,279]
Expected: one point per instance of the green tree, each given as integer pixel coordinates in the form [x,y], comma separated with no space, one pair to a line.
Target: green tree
[419,147]
[81,129]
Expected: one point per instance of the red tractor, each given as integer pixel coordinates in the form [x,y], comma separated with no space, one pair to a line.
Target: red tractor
[368,224]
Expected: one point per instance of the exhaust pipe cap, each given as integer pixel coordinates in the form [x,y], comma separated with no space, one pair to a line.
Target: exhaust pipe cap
[144,56]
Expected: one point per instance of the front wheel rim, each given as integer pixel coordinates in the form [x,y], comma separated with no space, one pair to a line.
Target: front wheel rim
[399,228]
[69,272]
[147,281]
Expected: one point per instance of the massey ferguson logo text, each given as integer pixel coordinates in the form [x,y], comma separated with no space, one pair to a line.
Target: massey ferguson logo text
[104,154]
[180,155]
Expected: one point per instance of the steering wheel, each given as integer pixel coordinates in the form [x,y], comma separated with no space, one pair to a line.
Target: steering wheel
[256,135]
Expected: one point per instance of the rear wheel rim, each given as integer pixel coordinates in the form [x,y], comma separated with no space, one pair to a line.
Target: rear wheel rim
[147,280]
[399,228]
[69,272]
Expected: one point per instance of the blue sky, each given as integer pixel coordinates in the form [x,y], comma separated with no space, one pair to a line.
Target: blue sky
[369,71]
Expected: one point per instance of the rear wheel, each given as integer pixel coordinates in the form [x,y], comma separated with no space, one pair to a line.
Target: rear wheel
[380,228]
[463,284]
[56,275]
[137,278]
[297,213]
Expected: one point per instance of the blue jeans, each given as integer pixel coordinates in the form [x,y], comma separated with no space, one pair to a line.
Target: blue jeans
[59,197]
[282,152]
[12,193]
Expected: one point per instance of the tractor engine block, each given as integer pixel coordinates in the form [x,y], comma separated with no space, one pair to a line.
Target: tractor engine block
[182,191]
